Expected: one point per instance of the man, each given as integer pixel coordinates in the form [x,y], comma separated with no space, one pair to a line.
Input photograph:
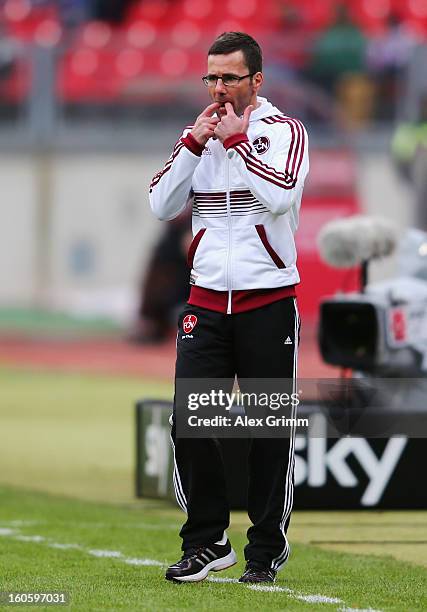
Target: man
[245,164]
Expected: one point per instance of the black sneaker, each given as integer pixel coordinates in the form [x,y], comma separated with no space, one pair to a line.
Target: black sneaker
[197,562]
[255,574]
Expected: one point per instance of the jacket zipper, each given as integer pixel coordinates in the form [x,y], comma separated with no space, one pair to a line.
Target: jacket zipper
[229,237]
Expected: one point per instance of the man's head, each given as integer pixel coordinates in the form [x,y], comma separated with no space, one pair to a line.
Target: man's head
[234,54]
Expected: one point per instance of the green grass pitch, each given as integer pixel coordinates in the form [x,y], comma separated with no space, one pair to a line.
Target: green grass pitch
[71,438]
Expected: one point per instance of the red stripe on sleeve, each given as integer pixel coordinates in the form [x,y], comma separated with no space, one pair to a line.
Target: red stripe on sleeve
[192,145]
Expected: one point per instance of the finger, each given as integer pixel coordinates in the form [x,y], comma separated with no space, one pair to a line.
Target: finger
[209,110]
[229,108]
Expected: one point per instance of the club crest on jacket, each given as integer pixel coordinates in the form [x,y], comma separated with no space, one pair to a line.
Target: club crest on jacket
[261,144]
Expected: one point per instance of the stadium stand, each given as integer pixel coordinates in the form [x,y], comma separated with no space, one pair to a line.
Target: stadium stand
[159,41]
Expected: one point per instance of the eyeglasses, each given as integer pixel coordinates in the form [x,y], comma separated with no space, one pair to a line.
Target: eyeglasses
[229,80]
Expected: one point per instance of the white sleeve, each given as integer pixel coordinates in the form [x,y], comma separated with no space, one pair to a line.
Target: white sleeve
[277,184]
[170,188]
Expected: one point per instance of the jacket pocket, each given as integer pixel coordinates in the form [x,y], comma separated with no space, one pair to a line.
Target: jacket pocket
[193,246]
[263,237]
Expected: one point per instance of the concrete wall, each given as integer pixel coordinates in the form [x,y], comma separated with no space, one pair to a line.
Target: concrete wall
[17,223]
[383,192]
[74,226]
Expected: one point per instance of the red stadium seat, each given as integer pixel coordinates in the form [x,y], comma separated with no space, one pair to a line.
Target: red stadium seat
[198,9]
[22,19]
[197,65]
[129,63]
[316,14]
[371,15]
[151,63]
[174,62]
[414,12]
[96,34]
[373,9]
[186,34]
[141,34]
[84,62]
[228,24]
[16,10]
[418,9]
[150,10]
[242,9]
[48,33]
[86,74]
[166,39]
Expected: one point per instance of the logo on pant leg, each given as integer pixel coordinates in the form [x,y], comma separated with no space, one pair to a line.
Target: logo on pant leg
[189,322]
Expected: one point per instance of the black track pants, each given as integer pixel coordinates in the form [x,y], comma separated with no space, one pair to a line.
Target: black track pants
[252,344]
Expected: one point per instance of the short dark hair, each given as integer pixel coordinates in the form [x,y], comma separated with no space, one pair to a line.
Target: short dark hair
[229,42]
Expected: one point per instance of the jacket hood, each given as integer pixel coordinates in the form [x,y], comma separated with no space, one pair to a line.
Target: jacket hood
[266,109]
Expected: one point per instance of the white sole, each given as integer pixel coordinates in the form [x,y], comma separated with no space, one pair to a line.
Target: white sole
[216,565]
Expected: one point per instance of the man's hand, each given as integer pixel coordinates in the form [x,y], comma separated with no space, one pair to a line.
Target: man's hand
[205,124]
[230,123]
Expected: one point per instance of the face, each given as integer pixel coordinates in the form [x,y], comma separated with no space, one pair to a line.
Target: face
[244,93]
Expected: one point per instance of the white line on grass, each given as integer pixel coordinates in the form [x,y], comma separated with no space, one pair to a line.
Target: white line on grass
[115,554]
[30,538]
[60,546]
[94,552]
[357,610]
[314,599]
[144,562]
[94,525]
[19,523]
[6,531]
[270,588]
[319,599]
[216,579]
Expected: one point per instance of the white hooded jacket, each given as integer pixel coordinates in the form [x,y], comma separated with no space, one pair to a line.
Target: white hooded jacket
[246,200]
